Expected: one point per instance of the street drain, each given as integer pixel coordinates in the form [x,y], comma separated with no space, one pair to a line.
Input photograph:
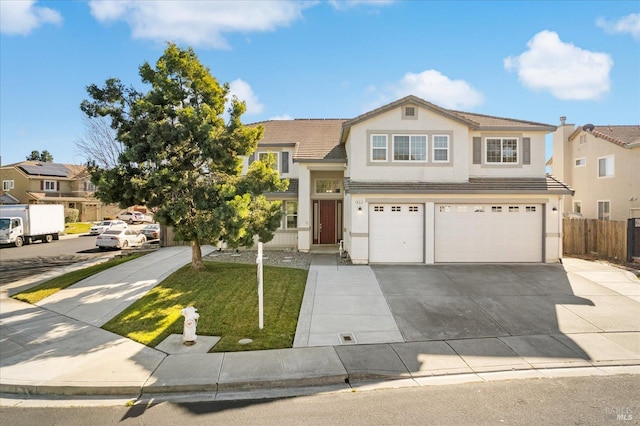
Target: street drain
[347,338]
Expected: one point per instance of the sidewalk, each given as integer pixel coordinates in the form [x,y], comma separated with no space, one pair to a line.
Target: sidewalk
[58,347]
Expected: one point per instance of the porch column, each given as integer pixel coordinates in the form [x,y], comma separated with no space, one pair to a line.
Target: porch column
[304,208]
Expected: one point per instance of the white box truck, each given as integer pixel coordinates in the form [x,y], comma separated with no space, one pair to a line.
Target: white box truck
[24,223]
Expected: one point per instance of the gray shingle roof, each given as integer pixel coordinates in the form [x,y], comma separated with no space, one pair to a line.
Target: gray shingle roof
[314,139]
[291,191]
[320,139]
[548,185]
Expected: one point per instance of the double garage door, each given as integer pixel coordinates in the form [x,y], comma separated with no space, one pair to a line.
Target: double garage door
[492,233]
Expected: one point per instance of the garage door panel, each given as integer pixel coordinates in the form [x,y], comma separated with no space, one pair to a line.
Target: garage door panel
[396,233]
[488,233]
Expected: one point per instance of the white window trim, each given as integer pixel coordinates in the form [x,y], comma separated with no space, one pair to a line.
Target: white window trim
[433,149]
[386,148]
[598,208]
[583,159]
[55,185]
[613,167]
[393,148]
[579,203]
[276,155]
[502,139]
[8,184]
[315,186]
[286,215]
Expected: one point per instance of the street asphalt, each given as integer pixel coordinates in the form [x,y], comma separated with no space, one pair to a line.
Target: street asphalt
[359,327]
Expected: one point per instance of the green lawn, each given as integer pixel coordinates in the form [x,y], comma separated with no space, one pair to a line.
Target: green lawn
[225,295]
[77,228]
[47,288]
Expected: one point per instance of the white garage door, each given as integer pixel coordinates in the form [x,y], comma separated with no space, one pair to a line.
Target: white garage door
[396,233]
[488,233]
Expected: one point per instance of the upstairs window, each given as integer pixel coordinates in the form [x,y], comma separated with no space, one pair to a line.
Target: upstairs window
[605,166]
[441,148]
[581,162]
[264,157]
[378,147]
[410,148]
[7,185]
[49,185]
[502,151]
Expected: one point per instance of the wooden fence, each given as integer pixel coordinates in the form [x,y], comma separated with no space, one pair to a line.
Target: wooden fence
[603,238]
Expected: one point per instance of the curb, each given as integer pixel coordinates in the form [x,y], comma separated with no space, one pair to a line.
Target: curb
[299,386]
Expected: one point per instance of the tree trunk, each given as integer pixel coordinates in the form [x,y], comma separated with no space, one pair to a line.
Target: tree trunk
[196,256]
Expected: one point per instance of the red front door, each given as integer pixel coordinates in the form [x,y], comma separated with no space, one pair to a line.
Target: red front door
[325,222]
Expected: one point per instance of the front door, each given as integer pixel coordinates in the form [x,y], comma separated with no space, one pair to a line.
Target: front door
[326,221]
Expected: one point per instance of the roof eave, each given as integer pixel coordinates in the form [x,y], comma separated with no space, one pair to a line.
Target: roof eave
[547,129]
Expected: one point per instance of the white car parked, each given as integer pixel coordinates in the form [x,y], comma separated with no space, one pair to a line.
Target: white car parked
[105,225]
[134,217]
[119,239]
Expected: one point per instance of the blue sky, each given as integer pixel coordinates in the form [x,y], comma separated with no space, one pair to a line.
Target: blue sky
[536,60]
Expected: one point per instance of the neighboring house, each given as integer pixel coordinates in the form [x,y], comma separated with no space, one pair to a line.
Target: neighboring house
[36,182]
[411,182]
[602,165]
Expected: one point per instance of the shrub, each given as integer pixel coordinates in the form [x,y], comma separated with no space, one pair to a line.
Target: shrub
[71,215]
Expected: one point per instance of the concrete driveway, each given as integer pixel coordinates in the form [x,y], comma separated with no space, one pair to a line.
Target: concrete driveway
[442,302]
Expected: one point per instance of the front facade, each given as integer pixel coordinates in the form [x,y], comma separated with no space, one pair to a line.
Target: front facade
[36,182]
[411,182]
[602,165]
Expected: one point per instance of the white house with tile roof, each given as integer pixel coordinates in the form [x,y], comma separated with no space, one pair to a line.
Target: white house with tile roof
[411,182]
[602,165]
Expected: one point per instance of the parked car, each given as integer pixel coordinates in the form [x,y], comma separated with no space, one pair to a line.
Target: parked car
[119,239]
[105,225]
[152,232]
[134,217]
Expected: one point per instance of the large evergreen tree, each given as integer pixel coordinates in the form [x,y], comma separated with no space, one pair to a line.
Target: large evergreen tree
[182,159]
[44,156]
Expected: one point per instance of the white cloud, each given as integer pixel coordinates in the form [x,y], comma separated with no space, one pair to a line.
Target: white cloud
[567,71]
[22,17]
[627,24]
[433,86]
[243,91]
[197,23]
[282,117]
[346,4]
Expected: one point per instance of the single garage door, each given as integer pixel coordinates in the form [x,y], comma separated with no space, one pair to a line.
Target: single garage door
[488,233]
[396,233]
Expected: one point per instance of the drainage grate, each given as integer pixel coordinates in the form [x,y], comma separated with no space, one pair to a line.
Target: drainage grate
[347,338]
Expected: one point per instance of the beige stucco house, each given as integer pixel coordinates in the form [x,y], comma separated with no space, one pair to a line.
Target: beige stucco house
[602,165]
[36,182]
[411,182]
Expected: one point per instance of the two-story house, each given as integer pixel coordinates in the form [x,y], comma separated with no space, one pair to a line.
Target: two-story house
[602,165]
[36,182]
[411,182]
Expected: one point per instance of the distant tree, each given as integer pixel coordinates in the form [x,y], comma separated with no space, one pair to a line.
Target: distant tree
[99,145]
[44,156]
[182,159]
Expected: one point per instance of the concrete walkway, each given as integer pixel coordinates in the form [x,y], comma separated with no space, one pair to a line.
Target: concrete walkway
[343,305]
[46,351]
